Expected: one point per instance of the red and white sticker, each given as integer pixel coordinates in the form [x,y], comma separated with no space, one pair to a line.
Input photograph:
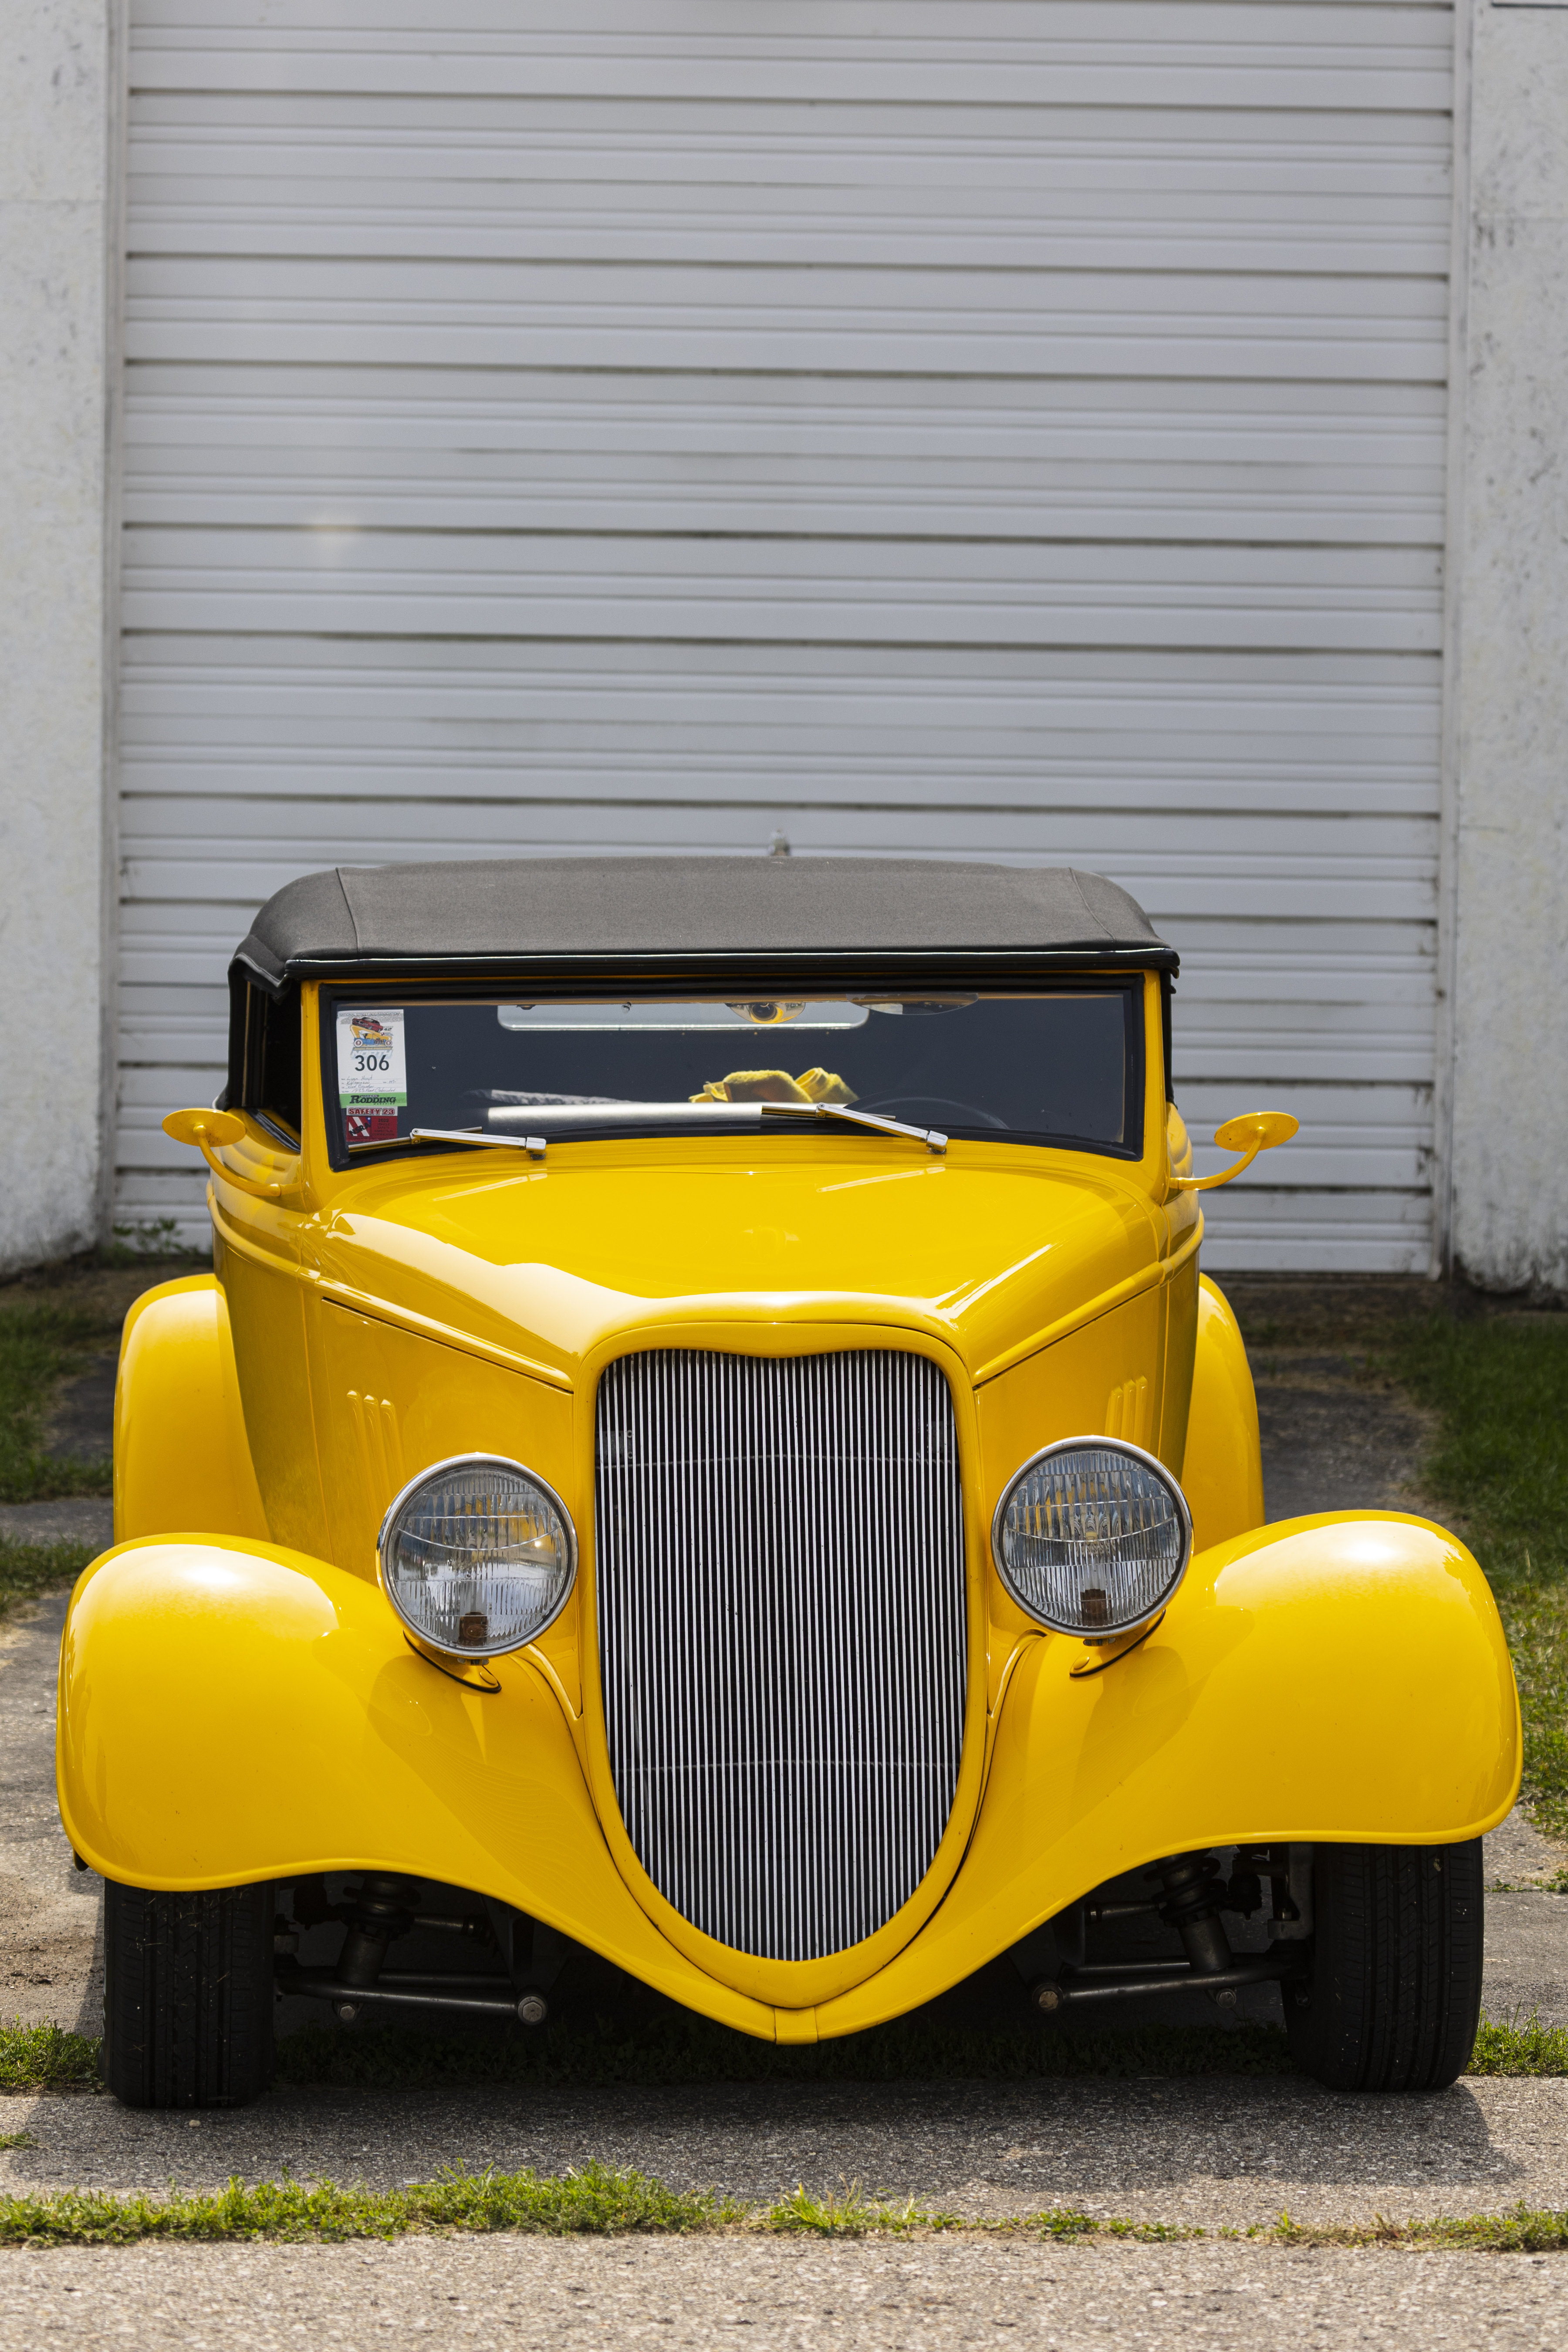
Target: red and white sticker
[371,1125]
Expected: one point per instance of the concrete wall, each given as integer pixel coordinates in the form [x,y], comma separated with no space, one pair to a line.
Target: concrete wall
[1508,539]
[57,120]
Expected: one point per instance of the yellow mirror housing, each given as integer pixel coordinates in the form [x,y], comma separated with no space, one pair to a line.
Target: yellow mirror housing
[1249,1132]
[202,1128]
[208,1131]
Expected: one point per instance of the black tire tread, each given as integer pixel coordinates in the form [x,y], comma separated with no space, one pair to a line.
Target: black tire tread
[187,1996]
[1394,1996]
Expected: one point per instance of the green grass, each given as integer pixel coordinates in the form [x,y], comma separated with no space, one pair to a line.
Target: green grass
[1522,2229]
[1535,1618]
[1501,1458]
[39,1345]
[851,2215]
[29,1569]
[1509,2048]
[43,2058]
[601,2202]
[1500,1464]
[596,2202]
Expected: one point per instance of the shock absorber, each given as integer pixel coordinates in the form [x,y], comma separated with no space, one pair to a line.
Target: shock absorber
[1192,1892]
[379,1914]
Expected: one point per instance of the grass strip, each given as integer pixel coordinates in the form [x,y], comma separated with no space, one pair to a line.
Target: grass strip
[599,2201]
[43,2058]
[39,1346]
[1508,2047]
[595,2202]
[1500,1386]
[851,2215]
[1521,2229]
[26,1569]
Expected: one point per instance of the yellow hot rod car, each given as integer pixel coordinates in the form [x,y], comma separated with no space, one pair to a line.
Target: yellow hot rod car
[706,1443]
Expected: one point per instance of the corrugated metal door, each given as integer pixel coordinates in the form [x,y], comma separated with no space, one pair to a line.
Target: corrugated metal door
[1009,429]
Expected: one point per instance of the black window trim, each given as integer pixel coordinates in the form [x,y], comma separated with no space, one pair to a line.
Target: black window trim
[574,987]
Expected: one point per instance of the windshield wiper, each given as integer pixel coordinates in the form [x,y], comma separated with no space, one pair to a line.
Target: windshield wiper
[533,1144]
[932,1138]
[596,1115]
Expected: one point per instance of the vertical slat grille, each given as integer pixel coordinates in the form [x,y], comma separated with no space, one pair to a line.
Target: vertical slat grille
[781,1603]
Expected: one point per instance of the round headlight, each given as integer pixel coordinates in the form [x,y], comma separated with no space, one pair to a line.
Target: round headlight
[478,1556]
[1092,1536]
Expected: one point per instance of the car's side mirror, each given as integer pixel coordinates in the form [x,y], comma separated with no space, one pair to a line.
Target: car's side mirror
[1252,1132]
[201,1127]
[208,1130]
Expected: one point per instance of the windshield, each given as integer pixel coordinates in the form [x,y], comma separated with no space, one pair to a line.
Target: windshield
[1050,1067]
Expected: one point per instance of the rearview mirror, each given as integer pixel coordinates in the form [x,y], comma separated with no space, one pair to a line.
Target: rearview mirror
[208,1131]
[197,1127]
[1250,1132]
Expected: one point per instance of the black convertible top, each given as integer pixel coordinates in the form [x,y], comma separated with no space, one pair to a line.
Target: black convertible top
[653,917]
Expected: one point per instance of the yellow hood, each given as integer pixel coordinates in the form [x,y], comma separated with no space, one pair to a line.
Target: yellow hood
[986,1248]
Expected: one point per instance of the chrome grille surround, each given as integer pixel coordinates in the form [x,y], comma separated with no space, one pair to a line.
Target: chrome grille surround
[782,1634]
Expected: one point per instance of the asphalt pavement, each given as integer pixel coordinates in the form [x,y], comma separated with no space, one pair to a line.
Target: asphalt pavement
[776,2295]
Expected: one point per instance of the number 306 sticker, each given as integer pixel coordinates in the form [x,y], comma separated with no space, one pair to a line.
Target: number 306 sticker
[371,1073]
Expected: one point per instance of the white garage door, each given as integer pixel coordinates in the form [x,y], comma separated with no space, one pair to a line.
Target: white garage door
[995,428]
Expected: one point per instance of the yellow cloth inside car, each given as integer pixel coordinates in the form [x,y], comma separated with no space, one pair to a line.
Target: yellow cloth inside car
[777,1085]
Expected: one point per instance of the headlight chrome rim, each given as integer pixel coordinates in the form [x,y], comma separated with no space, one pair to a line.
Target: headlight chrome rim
[429,1476]
[1091,1443]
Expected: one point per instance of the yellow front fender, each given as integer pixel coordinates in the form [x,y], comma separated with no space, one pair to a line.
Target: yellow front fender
[181,1455]
[1342,1678]
[231,1712]
[1222,1468]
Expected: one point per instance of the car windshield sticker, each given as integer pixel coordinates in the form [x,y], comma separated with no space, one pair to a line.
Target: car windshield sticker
[372,1078]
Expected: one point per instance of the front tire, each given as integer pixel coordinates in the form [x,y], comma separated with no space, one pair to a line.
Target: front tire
[1395,1993]
[187,1996]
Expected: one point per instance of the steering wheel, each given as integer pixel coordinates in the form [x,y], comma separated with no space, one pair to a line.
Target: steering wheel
[923,1109]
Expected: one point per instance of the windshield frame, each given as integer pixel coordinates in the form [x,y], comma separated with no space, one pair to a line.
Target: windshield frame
[576,989]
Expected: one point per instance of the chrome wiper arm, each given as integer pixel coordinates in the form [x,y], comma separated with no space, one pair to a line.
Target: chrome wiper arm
[533,1144]
[933,1140]
[592,1115]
